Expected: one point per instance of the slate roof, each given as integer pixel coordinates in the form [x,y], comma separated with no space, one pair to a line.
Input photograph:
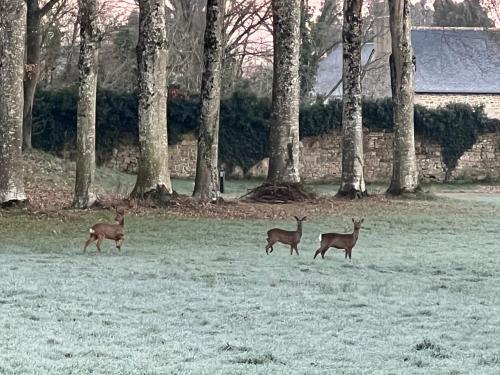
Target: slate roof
[330,70]
[449,60]
[457,60]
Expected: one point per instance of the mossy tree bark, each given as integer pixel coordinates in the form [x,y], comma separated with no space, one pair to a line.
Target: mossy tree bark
[404,170]
[33,61]
[12,47]
[152,94]
[284,162]
[207,173]
[87,67]
[352,180]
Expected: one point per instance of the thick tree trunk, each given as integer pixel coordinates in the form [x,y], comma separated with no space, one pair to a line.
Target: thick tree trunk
[152,92]
[32,69]
[207,176]
[12,35]
[87,67]
[353,181]
[405,172]
[285,149]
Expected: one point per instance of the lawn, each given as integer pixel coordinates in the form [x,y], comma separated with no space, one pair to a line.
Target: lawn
[200,296]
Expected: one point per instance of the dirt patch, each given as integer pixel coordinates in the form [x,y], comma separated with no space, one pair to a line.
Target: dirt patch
[186,207]
[49,184]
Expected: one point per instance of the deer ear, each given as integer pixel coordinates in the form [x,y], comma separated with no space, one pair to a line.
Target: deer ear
[296,218]
[352,220]
[304,218]
[362,219]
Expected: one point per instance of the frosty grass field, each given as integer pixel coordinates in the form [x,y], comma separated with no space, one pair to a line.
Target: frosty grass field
[190,296]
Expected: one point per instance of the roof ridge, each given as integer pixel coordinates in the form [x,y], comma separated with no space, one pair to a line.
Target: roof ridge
[456,28]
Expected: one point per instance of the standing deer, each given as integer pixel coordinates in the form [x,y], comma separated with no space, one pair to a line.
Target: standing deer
[102,231]
[287,237]
[340,241]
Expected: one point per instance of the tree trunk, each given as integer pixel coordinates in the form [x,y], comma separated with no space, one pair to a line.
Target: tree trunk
[152,93]
[32,69]
[87,67]
[207,176]
[284,161]
[404,172]
[352,181]
[12,35]
[33,62]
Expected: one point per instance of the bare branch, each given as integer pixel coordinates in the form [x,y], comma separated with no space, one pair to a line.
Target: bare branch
[47,7]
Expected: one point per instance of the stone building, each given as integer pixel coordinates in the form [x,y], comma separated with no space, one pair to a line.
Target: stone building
[453,65]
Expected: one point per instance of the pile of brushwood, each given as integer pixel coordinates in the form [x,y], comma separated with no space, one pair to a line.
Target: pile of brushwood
[280,193]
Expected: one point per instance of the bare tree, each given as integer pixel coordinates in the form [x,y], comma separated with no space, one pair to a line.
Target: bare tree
[493,7]
[12,47]
[284,161]
[207,173]
[245,22]
[153,170]
[352,181]
[87,66]
[185,26]
[404,169]
[33,59]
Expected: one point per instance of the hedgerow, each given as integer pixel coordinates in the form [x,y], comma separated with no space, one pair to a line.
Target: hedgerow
[244,123]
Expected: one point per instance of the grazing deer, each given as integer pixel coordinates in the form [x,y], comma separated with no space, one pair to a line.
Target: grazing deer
[102,231]
[340,241]
[287,237]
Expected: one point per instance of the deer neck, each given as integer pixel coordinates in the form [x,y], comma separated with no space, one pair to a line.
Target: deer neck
[355,234]
[121,221]
[299,229]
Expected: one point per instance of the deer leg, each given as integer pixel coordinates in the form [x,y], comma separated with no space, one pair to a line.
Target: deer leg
[323,253]
[296,249]
[346,251]
[350,252]
[99,242]
[119,243]
[322,250]
[88,242]
[269,246]
[291,249]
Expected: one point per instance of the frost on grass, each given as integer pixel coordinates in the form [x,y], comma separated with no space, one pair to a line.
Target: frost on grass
[199,296]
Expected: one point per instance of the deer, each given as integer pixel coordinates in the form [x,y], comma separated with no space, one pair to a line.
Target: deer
[344,241]
[287,237]
[102,231]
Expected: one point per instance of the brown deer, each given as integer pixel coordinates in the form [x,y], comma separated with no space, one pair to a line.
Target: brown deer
[102,231]
[340,241]
[287,237]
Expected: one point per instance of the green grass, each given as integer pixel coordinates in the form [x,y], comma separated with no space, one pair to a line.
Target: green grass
[422,296]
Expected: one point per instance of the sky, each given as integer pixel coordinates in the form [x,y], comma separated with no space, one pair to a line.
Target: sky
[493,5]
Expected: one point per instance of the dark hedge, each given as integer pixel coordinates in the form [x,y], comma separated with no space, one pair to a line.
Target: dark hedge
[244,125]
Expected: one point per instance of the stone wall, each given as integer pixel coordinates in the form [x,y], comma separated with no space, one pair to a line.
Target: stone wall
[182,158]
[491,102]
[481,162]
[321,159]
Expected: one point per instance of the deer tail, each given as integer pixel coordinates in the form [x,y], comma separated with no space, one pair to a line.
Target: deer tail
[91,230]
[320,237]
